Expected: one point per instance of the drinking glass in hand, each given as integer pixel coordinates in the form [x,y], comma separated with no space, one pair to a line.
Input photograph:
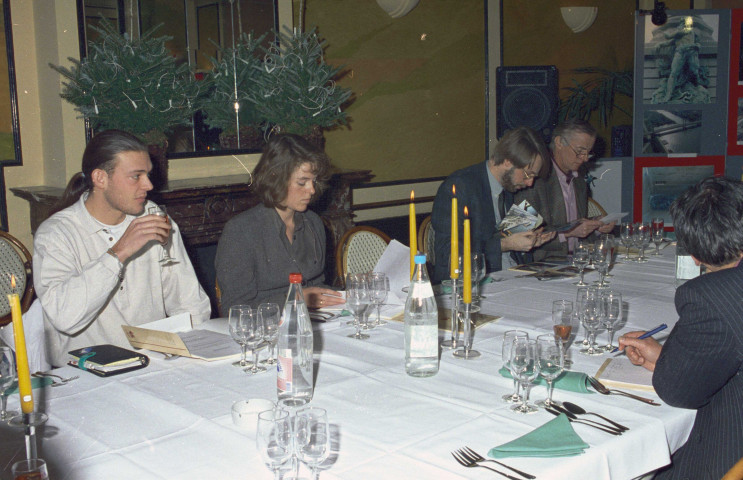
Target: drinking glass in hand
[312,436]
[269,314]
[508,338]
[165,257]
[7,376]
[550,358]
[562,325]
[612,315]
[358,300]
[581,257]
[658,233]
[524,367]
[273,439]
[380,285]
[593,313]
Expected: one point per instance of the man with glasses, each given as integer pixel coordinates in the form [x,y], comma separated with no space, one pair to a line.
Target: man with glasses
[487,189]
[561,197]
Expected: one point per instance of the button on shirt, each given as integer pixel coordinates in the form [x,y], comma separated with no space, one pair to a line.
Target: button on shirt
[496,190]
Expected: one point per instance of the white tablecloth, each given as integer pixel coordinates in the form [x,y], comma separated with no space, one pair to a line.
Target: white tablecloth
[172,419]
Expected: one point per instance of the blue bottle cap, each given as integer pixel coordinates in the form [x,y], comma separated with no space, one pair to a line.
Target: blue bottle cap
[420,259]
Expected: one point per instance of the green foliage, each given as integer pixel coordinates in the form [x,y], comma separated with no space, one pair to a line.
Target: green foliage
[231,80]
[131,85]
[596,94]
[297,90]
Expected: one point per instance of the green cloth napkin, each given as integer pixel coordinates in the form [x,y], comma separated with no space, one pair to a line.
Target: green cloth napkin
[484,281]
[570,381]
[555,438]
[36,382]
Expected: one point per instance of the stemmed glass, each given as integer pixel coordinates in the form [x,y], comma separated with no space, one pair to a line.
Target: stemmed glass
[658,233]
[601,260]
[269,314]
[312,436]
[380,285]
[580,299]
[478,272]
[525,368]
[593,313]
[641,238]
[358,300]
[611,244]
[508,338]
[562,325]
[626,233]
[612,315]
[7,376]
[581,257]
[165,258]
[550,359]
[273,439]
[247,330]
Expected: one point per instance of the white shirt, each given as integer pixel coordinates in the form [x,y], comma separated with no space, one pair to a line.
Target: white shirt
[85,302]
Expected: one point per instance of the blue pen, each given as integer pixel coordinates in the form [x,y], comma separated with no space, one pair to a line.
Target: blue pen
[650,333]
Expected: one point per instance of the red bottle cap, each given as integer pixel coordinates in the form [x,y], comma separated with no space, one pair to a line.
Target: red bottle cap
[295,278]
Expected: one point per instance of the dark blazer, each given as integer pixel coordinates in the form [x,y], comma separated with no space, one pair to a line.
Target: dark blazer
[546,197]
[473,191]
[701,367]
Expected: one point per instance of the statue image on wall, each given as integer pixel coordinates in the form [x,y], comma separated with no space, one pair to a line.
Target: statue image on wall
[682,77]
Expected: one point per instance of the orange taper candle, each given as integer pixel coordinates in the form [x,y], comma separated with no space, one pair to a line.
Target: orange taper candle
[467,261]
[413,233]
[454,258]
[21,356]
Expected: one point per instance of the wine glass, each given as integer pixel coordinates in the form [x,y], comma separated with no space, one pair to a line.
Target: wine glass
[358,300]
[581,257]
[580,299]
[601,260]
[525,368]
[641,238]
[593,313]
[380,285]
[479,271]
[562,325]
[626,231]
[658,233]
[611,243]
[508,338]
[273,439]
[312,436]
[237,319]
[269,314]
[7,376]
[612,315]
[550,359]
[165,258]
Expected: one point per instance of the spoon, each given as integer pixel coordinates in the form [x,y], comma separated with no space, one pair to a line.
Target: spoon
[573,416]
[578,410]
[601,388]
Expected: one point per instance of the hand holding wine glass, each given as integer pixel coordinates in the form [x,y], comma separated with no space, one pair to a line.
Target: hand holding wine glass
[165,258]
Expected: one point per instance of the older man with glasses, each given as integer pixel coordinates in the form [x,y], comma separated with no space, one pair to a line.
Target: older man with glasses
[561,197]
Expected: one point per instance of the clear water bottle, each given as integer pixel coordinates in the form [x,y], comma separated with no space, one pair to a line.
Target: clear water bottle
[295,347]
[421,324]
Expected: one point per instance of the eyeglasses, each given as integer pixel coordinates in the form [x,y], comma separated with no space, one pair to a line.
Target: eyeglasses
[588,155]
[529,176]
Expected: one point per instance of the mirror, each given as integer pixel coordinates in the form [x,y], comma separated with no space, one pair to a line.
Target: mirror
[10,134]
[202,26]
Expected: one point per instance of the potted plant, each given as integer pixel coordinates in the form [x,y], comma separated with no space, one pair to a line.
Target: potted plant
[598,93]
[132,85]
[296,92]
[228,104]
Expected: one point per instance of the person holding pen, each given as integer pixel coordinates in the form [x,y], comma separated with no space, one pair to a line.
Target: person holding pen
[700,365]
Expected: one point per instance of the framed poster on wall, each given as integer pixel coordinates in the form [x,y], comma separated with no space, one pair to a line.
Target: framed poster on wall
[659,180]
[735,107]
[681,83]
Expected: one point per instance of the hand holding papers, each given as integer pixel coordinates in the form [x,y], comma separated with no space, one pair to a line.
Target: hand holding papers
[520,218]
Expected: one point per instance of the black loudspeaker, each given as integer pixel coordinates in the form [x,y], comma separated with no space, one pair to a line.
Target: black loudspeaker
[527,96]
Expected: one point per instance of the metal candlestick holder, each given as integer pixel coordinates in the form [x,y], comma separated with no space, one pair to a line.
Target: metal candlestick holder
[466,352]
[29,422]
[454,284]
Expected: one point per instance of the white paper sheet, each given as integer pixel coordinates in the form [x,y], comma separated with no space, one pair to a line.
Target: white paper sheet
[395,262]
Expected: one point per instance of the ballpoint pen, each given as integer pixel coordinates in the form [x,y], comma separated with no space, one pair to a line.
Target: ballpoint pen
[647,334]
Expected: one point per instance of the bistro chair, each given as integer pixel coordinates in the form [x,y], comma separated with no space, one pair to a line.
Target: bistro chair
[359,251]
[15,259]
[425,240]
[595,209]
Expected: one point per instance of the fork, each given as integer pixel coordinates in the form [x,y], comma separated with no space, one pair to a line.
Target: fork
[62,380]
[476,457]
[466,462]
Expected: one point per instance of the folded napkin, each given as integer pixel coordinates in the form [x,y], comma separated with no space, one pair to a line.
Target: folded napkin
[570,381]
[555,438]
[36,382]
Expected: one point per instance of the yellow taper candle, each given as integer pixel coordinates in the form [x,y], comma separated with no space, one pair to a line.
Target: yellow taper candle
[21,357]
[454,258]
[467,261]
[413,234]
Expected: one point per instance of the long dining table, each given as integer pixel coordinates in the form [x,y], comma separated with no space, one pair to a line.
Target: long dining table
[172,419]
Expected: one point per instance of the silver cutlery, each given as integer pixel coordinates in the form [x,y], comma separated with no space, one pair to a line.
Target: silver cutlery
[467,452]
[578,410]
[62,380]
[601,388]
[584,422]
[466,462]
[573,416]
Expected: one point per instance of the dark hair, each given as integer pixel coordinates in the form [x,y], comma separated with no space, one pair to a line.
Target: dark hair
[284,153]
[100,153]
[570,127]
[520,146]
[708,221]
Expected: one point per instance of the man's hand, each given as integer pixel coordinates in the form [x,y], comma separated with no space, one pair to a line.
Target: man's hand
[607,227]
[318,297]
[543,237]
[519,242]
[643,352]
[140,232]
[584,228]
